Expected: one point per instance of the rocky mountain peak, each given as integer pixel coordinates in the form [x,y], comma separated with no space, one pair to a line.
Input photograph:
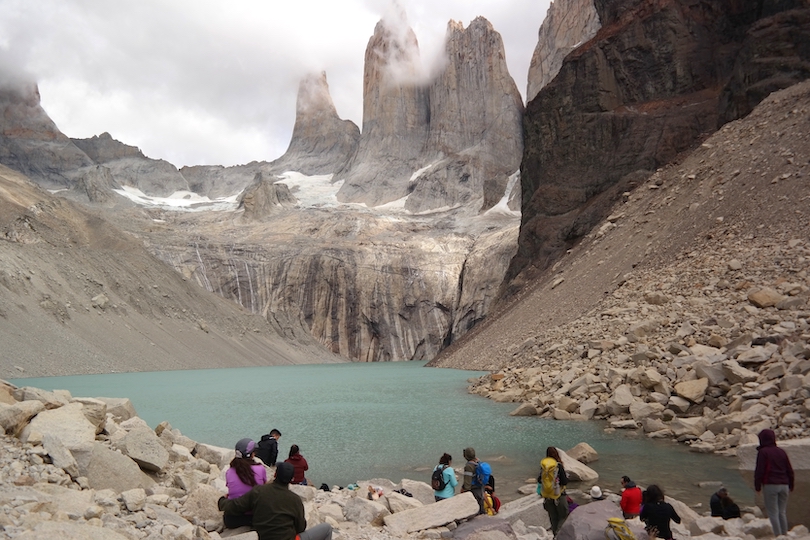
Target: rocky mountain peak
[321,142]
[395,118]
[263,197]
[103,148]
[568,24]
[475,140]
[31,143]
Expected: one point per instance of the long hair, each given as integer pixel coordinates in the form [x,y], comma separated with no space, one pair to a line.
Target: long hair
[552,453]
[654,494]
[244,469]
[445,459]
[294,450]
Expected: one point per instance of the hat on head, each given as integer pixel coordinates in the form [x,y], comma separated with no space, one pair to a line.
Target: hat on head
[245,447]
[284,472]
[596,492]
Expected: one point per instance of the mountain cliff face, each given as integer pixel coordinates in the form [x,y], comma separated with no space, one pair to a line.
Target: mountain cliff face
[568,24]
[396,113]
[475,140]
[655,81]
[31,143]
[321,142]
[129,167]
[264,197]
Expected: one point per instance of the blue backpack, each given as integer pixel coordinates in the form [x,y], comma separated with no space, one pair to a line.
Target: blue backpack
[482,473]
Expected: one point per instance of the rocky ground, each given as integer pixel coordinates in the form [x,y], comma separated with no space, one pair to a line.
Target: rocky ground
[89,468]
[685,314]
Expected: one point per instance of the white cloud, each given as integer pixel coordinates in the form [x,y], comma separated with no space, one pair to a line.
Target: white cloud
[213,82]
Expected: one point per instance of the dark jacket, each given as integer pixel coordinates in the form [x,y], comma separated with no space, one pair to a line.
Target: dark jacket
[773,465]
[278,513]
[657,515]
[267,450]
[300,465]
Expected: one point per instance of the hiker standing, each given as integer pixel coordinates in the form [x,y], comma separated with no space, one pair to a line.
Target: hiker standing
[551,486]
[448,477]
[267,449]
[773,476]
[631,498]
[470,481]
[656,514]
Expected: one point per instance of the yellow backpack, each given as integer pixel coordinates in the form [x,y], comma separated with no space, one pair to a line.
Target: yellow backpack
[617,529]
[549,479]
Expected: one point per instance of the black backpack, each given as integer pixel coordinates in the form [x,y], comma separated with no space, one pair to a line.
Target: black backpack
[437,478]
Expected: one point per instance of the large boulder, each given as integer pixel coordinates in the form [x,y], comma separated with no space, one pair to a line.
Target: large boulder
[528,509]
[798,450]
[67,423]
[120,408]
[588,522]
[576,471]
[60,456]
[201,503]
[430,516]
[397,502]
[13,418]
[145,448]
[420,490]
[69,530]
[108,469]
[364,511]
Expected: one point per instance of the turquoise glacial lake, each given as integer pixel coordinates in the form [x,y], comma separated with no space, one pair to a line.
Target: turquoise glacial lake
[394,420]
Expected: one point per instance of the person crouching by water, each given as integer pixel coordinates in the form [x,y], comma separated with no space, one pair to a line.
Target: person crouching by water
[656,514]
[449,476]
[244,474]
[551,486]
[299,464]
[278,513]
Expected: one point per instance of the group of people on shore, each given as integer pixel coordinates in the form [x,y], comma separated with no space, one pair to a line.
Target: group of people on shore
[278,514]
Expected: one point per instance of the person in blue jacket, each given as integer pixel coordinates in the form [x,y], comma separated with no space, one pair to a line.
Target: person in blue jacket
[449,475]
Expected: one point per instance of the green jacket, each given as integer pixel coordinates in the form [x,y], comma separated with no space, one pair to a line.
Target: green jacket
[278,513]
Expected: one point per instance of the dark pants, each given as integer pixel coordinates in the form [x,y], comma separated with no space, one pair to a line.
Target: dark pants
[557,512]
[234,521]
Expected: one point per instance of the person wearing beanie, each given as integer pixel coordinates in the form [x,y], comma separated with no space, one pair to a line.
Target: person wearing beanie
[469,473]
[242,476]
[773,476]
[278,513]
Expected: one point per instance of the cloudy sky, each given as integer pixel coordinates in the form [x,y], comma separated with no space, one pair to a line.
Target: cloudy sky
[212,81]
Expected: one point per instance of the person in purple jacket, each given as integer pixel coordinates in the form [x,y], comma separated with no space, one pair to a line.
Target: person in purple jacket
[773,476]
[244,474]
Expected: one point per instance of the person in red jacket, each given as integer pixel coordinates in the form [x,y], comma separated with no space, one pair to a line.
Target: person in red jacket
[773,475]
[300,464]
[631,498]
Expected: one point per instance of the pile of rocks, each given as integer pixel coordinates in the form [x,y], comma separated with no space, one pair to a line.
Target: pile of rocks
[708,350]
[90,468]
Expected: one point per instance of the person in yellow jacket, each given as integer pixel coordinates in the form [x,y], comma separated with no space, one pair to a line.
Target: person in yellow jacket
[551,486]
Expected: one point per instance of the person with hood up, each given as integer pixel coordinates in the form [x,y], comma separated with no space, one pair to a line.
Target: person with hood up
[469,474]
[631,498]
[773,476]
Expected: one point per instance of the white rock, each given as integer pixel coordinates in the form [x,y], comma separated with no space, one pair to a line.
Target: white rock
[430,516]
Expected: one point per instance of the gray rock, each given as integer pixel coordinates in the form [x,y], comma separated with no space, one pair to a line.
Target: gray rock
[107,469]
[134,499]
[588,522]
[363,511]
[694,391]
[120,408]
[201,504]
[528,509]
[144,447]
[420,490]
[66,423]
[462,506]
[398,502]
[524,409]
[765,297]
[583,452]
[60,456]
[51,400]
[13,418]
[68,530]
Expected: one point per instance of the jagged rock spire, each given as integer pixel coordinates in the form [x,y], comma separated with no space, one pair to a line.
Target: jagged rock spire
[395,118]
[321,142]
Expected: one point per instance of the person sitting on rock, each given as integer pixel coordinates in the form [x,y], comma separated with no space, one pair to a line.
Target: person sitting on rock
[278,513]
[723,506]
[244,474]
[631,498]
[267,449]
[300,464]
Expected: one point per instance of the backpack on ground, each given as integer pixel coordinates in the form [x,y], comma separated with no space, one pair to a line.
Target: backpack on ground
[482,473]
[549,479]
[617,529]
[437,478]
